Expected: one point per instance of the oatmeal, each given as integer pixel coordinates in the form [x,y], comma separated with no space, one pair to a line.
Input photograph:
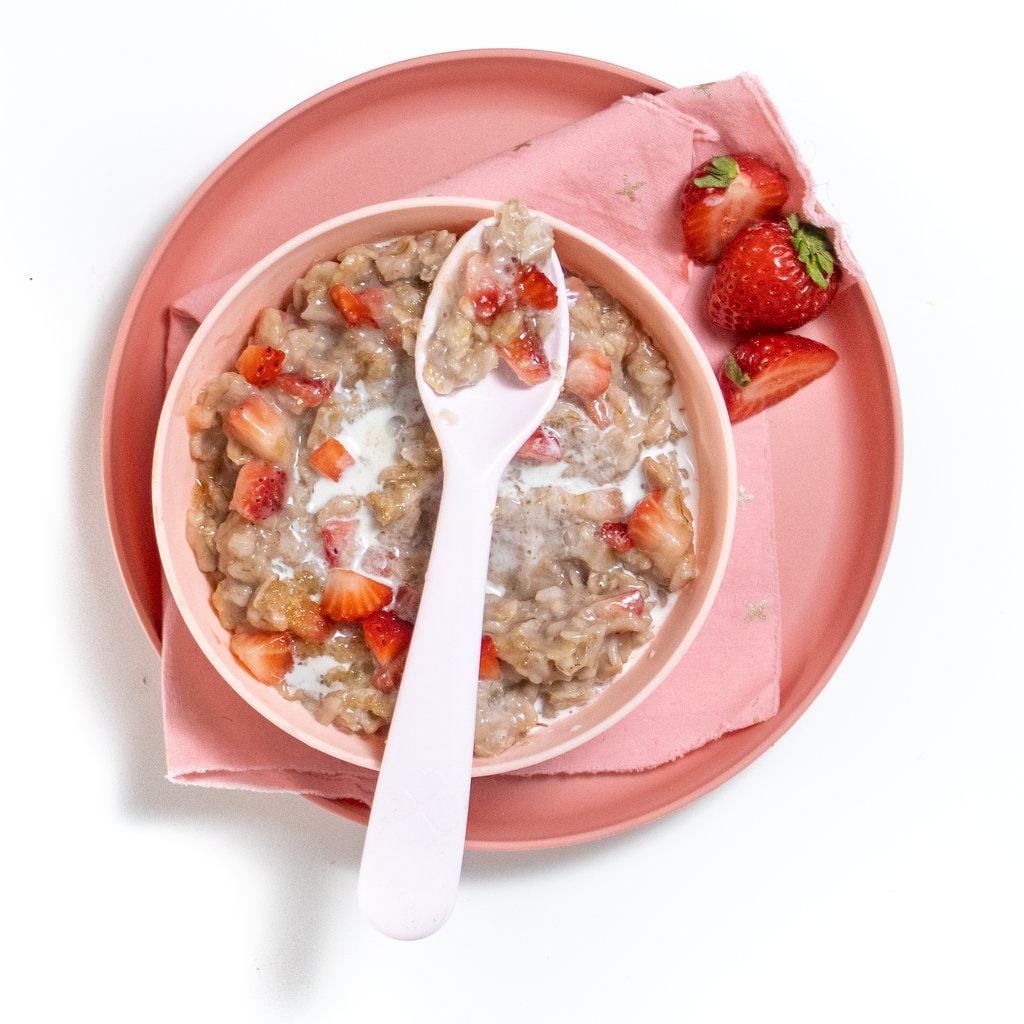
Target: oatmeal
[500,307]
[318,479]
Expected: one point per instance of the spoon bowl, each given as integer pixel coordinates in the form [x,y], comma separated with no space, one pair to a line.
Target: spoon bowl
[412,854]
[483,425]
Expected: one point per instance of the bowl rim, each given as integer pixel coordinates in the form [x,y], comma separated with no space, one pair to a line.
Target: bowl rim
[458,211]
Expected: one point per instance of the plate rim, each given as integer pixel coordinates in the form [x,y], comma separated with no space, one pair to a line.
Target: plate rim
[351,809]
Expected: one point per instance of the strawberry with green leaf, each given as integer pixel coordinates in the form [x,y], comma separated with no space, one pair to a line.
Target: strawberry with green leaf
[724,195]
[763,370]
[775,275]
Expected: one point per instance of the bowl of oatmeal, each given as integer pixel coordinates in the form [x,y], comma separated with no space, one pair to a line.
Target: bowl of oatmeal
[296,481]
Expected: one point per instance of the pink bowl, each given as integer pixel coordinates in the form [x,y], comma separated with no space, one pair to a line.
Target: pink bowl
[213,350]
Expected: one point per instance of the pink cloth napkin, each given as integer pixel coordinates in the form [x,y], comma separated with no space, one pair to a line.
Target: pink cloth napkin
[618,176]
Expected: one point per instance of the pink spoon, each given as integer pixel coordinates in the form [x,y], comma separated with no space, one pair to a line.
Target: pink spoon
[412,855]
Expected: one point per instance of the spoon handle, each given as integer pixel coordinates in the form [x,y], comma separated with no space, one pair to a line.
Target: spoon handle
[412,854]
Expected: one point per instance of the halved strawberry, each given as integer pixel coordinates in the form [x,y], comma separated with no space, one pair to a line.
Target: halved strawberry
[339,539]
[765,369]
[662,528]
[268,656]
[387,635]
[349,596]
[533,288]
[260,364]
[260,490]
[616,536]
[490,666]
[306,390]
[723,196]
[773,276]
[543,445]
[526,357]
[351,306]
[331,458]
[261,427]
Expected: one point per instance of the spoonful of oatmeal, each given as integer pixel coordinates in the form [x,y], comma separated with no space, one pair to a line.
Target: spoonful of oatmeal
[490,357]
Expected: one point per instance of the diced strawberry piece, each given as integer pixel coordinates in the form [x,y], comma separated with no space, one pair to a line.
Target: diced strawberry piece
[388,677]
[387,635]
[407,602]
[376,560]
[490,666]
[306,390]
[534,289]
[630,602]
[339,539]
[261,427]
[526,357]
[723,196]
[331,458]
[616,535]
[260,490]
[624,609]
[588,374]
[268,656]
[765,369]
[349,596]
[543,445]
[260,364]
[661,527]
[486,289]
[351,306]
[381,304]
[599,412]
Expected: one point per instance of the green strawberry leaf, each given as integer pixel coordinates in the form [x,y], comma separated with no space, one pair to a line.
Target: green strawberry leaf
[720,175]
[813,249]
[734,372]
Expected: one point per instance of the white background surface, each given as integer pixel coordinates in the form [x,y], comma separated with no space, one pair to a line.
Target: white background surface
[868,867]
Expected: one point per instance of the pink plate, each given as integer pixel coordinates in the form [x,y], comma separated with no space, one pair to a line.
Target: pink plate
[836,486]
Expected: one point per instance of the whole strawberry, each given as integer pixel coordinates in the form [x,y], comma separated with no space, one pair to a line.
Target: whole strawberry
[775,275]
[724,195]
